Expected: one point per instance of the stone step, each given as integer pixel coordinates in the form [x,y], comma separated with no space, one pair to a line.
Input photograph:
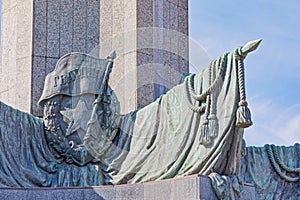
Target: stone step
[185,188]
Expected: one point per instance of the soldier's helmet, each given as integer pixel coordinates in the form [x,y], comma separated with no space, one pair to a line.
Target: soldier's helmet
[69,92]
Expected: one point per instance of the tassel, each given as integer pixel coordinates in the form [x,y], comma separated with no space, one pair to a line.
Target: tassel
[243,115]
[204,137]
[213,126]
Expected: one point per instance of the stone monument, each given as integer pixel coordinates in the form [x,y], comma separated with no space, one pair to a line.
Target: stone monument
[151,39]
[35,34]
[83,139]
[88,138]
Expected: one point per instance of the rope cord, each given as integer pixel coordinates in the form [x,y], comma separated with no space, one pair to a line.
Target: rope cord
[198,109]
[213,86]
[213,105]
[208,97]
[281,164]
[277,167]
[241,75]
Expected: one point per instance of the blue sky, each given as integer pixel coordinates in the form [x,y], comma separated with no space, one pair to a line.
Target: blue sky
[272,71]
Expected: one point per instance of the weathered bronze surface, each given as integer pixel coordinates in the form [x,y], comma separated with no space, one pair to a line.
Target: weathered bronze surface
[189,130]
[197,127]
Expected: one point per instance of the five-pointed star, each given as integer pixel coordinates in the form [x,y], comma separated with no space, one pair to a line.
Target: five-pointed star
[78,117]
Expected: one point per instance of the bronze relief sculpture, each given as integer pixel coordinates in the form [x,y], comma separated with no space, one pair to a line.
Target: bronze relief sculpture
[195,128]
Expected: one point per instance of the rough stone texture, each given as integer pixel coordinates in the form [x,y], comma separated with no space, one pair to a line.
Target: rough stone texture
[34,35]
[14,194]
[130,191]
[15,80]
[23,90]
[189,187]
[51,29]
[93,24]
[79,23]
[163,188]
[144,62]
[180,188]
[40,28]
[38,79]
[186,184]
[100,193]
[55,193]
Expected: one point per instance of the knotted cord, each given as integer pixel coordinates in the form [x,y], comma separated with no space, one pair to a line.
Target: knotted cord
[243,118]
[197,109]
[205,138]
[279,166]
[213,86]
[239,56]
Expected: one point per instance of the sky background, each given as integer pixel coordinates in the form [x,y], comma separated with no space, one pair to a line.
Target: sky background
[272,71]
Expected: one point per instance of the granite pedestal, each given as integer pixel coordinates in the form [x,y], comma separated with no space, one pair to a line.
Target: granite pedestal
[190,187]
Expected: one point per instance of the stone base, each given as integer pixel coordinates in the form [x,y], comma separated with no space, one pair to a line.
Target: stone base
[190,187]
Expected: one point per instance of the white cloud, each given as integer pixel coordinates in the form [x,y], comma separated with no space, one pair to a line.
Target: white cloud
[289,130]
[273,123]
[272,70]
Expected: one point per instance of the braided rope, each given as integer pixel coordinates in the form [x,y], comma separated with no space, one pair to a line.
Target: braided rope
[276,166]
[205,137]
[208,99]
[212,118]
[241,75]
[197,109]
[281,164]
[213,86]
[213,105]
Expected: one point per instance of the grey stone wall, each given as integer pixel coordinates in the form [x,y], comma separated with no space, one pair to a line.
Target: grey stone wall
[151,40]
[61,27]
[15,69]
[150,37]
[32,42]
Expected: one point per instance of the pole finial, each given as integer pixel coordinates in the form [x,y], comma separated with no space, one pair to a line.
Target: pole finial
[250,46]
[112,55]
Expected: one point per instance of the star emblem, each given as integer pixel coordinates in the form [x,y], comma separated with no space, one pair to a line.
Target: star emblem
[77,117]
